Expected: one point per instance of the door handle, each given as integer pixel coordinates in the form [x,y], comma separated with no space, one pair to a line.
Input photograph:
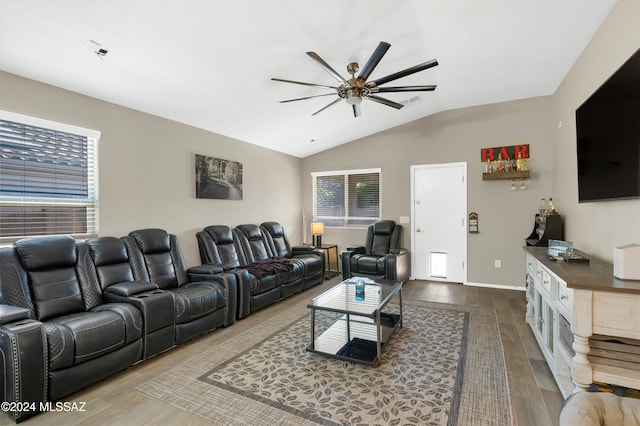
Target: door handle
[418,230]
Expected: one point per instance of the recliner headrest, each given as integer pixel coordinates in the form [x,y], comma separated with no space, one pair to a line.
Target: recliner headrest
[221,234]
[108,251]
[274,229]
[53,251]
[384,227]
[251,231]
[152,240]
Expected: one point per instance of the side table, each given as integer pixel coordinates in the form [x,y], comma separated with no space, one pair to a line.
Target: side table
[331,259]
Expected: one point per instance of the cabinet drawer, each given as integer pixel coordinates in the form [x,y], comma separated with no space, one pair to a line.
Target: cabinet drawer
[565,297]
[546,281]
[616,314]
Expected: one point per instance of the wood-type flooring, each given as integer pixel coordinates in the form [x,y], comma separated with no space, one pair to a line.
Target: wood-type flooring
[535,397]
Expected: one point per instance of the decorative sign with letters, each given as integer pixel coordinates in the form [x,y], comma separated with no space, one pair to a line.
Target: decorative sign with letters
[508,152]
[473,223]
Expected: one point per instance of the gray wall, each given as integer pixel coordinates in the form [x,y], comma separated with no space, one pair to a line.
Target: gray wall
[505,217]
[147,167]
[594,227]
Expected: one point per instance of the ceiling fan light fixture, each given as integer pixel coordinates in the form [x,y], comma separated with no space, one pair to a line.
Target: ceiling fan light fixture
[353,97]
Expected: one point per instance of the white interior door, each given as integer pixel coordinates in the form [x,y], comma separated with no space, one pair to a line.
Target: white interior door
[438,220]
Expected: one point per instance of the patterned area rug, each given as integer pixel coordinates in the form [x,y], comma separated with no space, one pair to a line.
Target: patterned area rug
[445,367]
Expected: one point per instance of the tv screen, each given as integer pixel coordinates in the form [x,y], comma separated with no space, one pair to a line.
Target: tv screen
[608,131]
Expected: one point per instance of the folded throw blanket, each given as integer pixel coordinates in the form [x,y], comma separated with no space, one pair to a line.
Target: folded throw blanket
[270,266]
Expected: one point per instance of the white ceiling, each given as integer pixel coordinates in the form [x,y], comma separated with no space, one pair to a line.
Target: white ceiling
[209,63]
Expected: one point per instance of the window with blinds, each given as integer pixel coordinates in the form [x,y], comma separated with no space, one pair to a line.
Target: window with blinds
[48,180]
[347,198]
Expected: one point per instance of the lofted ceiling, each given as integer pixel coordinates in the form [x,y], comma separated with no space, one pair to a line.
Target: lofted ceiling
[209,63]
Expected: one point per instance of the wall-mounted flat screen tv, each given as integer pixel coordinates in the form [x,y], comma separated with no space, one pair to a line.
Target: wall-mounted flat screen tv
[608,131]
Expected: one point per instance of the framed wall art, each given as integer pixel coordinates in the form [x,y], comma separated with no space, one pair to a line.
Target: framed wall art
[217,178]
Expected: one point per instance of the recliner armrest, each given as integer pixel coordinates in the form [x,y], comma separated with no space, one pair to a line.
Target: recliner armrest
[398,265]
[9,314]
[157,307]
[130,288]
[398,251]
[230,281]
[307,250]
[357,249]
[302,249]
[210,268]
[24,364]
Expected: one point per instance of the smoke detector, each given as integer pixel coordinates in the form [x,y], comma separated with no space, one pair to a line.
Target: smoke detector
[96,48]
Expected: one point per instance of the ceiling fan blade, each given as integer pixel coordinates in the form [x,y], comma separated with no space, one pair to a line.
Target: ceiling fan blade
[356,110]
[307,97]
[411,70]
[327,106]
[429,88]
[303,83]
[326,67]
[384,101]
[373,61]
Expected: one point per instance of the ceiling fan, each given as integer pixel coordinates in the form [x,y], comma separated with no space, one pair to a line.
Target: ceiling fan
[355,89]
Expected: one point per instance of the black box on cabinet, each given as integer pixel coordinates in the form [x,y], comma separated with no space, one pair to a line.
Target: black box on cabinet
[545,228]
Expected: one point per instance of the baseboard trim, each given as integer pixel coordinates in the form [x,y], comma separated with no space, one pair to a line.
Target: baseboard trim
[502,287]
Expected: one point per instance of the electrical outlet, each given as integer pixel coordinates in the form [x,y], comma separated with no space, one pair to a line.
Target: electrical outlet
[497,263]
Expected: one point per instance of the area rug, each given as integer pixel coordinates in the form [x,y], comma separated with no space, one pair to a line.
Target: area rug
[444,367]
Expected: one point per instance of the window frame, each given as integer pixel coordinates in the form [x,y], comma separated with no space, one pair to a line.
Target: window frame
[346,218]
[92,198]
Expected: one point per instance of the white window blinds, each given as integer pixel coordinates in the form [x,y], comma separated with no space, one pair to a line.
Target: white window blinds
[48,181]
[347,198]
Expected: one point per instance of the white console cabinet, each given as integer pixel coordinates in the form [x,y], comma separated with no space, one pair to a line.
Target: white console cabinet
[567,303]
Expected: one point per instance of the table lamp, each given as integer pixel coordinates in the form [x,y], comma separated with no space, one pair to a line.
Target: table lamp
[317,229]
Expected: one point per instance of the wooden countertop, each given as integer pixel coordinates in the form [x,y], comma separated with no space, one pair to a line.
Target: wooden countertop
[597,275]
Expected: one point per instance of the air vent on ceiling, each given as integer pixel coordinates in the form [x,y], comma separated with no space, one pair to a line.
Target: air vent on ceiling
[412,100]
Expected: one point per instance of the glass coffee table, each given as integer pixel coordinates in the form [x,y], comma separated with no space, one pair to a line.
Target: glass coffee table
[359,328]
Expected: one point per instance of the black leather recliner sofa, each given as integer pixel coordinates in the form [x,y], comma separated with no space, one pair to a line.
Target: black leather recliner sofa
[248,249]
[73,313]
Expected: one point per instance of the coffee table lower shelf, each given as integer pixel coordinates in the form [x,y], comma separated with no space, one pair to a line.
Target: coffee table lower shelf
[354,338]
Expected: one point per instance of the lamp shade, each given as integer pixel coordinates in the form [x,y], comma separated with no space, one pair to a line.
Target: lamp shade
[317,228]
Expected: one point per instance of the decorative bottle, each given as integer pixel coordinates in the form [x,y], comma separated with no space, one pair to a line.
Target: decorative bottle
[500,164]
[521,163]
[543,207]
[360,289]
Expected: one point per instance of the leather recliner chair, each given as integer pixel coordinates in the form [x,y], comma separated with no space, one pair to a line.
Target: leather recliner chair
[256,248]
[57,333]
[306,256]
[115,276]
[381,255]
[200,306]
